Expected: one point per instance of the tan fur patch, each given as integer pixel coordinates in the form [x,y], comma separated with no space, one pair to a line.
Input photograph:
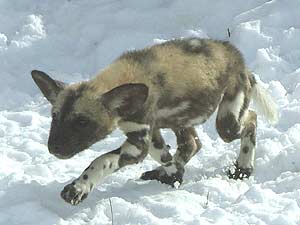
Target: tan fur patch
[199,71]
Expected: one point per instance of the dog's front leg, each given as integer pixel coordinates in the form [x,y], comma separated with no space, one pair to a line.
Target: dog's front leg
[133,150]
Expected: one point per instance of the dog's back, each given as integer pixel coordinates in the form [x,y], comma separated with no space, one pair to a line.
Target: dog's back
[186,78]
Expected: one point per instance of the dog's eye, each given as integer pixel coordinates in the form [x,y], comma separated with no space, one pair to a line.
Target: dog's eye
[54,116]
[83,121]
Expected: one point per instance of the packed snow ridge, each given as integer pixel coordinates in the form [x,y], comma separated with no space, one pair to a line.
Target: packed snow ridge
[72,40]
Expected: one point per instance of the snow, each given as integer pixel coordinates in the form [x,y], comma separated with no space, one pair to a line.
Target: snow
[72,40]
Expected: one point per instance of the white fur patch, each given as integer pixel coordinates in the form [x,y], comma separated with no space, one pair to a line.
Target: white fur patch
[101,167]
[246,160]
[171,169]
[128,126]
[130,149]
[155,153]
[244,119]
[265,104]
[167,112]
[234,106]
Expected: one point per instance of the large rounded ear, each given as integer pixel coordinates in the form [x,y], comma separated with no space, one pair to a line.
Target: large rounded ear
[125,99]
[49,87]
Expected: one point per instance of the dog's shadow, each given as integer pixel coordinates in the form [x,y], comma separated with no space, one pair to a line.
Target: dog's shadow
[46,199]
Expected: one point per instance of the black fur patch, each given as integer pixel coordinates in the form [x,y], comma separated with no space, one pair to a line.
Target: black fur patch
[246,149]
[167,157]
[49,87]
[158,144]
[199,103]
[119,99]
[84,196]
[126,159]
[157,140]
[70,99]
[239,173]
[137,135]
[85,177]
[136,138]
[116,152]
[228,128]
[69,137]
[161,175]
[67,107]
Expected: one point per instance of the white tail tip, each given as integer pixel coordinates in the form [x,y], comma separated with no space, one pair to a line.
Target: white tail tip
[265,103]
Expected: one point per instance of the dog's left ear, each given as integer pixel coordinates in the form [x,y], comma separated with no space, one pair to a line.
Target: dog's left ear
[125,99]
[49,87]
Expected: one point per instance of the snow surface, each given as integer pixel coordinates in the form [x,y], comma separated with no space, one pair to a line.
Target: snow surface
[74,39]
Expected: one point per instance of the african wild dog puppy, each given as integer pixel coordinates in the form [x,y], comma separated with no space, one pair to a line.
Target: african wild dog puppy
[176,85]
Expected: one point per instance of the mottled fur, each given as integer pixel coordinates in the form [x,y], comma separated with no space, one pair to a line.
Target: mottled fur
[176,85]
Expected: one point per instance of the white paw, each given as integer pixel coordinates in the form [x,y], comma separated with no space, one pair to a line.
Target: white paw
[75,192]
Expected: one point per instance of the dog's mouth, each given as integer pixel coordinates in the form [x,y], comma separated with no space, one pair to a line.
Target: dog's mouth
[67,155]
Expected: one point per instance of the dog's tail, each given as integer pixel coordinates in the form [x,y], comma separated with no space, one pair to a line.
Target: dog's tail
[264,102]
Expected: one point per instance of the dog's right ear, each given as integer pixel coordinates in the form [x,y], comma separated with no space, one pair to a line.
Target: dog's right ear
[49,87]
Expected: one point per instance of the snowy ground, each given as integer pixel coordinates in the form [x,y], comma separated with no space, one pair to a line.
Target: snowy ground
[72,40]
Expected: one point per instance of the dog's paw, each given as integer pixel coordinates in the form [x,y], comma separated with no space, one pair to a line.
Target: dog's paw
[239,173]
[161,175]
[75,192]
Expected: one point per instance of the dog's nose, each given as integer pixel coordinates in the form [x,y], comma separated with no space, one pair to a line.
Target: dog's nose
[53,149]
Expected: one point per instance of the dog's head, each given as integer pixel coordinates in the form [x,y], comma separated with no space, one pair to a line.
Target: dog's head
[81,117]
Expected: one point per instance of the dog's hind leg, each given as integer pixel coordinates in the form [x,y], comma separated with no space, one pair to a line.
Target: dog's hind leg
[158,149]
[235,121]
[245,161]
[188,144]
